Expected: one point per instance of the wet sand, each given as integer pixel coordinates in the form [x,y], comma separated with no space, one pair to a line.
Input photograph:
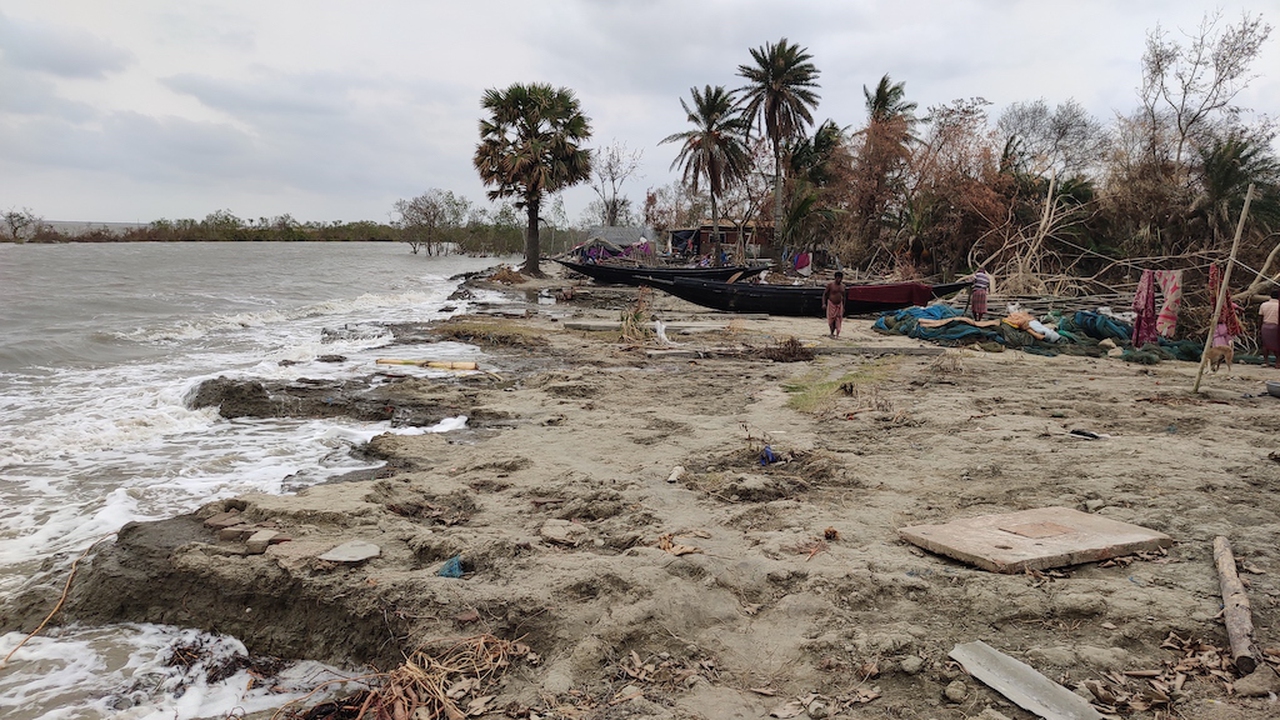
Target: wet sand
[741,587]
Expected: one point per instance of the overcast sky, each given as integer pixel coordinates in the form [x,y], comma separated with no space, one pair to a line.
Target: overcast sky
[134,110]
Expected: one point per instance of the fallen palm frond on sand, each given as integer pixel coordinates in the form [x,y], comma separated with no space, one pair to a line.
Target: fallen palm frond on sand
[440,681]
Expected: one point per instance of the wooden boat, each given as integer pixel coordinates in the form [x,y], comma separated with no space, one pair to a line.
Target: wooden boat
[638,274]
[802,300]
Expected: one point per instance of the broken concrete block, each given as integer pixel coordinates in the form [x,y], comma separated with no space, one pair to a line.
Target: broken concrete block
[353,551]
[235,532]
[224,520]
[258,542]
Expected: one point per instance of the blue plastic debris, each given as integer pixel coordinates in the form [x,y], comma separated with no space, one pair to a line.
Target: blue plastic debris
[767,456]
[452,567]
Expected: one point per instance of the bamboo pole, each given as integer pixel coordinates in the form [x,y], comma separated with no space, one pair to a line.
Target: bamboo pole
[1235,607]
[1222,291]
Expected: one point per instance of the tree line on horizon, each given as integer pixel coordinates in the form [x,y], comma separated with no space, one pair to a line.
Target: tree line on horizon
[469,229]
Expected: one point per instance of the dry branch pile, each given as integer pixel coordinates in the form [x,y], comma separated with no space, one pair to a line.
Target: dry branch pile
[449,682]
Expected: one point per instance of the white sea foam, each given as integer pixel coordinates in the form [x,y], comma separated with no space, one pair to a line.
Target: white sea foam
[101,433]
[446,425]
[124,672]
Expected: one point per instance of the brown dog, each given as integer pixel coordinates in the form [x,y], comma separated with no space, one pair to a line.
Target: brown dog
[1220,354]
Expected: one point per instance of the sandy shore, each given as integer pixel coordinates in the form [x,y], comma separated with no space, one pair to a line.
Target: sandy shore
[738,589]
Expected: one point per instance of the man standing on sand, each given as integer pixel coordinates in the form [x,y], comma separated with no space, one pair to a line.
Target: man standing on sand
[833,303]
[1270,312]
[978,295]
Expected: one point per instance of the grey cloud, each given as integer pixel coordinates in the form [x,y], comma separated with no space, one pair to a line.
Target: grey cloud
[29,94]
[267,94]
[59,51]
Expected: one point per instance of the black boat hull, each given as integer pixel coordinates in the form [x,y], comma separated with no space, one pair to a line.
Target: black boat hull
[622,275]
[802,301]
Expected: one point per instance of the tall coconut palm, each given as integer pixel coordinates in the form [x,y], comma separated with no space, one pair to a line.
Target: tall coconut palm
[888,102]
[780,96]
[529,148]
[885,151]
[715,149]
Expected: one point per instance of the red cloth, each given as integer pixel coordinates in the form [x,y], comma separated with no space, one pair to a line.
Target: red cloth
[1228,316]
[1144,304]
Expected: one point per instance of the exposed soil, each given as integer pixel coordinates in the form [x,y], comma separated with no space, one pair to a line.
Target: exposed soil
[744,587]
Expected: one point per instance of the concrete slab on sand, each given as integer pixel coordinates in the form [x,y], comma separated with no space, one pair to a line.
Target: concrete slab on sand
[1034,539]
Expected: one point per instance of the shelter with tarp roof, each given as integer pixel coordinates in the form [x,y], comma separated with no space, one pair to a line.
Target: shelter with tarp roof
[606,243]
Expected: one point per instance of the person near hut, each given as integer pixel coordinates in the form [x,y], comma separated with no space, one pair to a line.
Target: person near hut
[978,294]
[1270,312]
[833,303]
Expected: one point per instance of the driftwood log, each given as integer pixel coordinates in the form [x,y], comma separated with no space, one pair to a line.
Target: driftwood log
[1235,608]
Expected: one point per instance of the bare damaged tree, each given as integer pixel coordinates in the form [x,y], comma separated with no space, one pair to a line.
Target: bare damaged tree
[1065,141]
[21,224]
[611,167]
[425,220]
[1187,86]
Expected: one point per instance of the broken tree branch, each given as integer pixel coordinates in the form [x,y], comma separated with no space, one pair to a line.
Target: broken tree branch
[1235,608]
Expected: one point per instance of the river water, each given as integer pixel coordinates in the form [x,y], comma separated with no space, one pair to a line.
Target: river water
[100,345]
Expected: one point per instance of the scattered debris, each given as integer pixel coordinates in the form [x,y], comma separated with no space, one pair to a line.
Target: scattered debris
[450,682]
[351,552]
[1021,683]
[1088,434]
[789,350]
[634,318]
[433,364]
[452,568]
[561,532]
[667,542]
[507,276]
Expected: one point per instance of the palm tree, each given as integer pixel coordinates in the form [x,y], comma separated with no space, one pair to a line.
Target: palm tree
[888,103]
[885,141]
[529,148]
[780,95]
[1229,166]
[715,149]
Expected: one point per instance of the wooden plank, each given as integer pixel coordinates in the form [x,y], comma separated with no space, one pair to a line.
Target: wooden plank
[1035,539]
[876,350]
[1022,684]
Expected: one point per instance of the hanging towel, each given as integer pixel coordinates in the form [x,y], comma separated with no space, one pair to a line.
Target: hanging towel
[1170,282]
[1228,316]
[1144,304]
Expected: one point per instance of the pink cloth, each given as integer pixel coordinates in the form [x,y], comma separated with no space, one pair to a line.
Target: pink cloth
[1228,316]
[1221,338]
[1144,304]
[835,316]
[1170,282]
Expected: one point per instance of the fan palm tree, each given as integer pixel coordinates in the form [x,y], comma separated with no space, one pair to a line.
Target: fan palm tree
[780,95]
[529,148]
[715,149]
